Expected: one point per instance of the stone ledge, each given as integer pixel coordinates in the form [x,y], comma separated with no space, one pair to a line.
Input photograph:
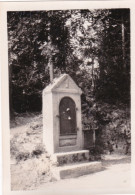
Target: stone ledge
[72,152]
[66,158]
[76,170]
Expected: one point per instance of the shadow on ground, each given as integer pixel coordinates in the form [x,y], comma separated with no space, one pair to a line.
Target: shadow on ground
[110,162]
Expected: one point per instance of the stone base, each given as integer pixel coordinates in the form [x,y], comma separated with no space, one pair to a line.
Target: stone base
[66,158]
[75,170]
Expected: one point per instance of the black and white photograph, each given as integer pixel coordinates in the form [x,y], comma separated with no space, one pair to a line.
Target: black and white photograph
[69,83]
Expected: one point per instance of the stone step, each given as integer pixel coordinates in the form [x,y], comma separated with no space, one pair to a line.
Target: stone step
[75,170]
[65,158]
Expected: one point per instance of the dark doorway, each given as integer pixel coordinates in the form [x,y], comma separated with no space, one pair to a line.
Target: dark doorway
[67,111]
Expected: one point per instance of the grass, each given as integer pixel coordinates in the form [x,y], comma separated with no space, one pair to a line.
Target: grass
[30,163]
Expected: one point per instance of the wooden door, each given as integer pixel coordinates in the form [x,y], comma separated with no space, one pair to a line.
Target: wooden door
[67,111]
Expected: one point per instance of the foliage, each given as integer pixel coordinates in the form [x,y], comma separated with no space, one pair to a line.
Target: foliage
[22,156]
[78,42]
[114,132]
[39,149]
[92,46]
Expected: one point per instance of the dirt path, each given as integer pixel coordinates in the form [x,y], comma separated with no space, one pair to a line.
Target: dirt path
[115,175]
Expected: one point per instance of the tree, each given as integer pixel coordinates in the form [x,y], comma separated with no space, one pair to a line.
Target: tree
[87,44]
[113,74]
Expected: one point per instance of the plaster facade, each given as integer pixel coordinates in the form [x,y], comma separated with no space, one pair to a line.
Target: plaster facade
[61,87]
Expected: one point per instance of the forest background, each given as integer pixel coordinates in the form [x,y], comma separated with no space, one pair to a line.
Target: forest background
[92,46]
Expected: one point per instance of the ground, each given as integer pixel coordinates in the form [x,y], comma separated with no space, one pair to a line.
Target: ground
[30,163]
[115,175]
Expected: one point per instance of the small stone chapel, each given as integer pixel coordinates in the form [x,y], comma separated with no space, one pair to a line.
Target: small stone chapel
[62,116]
[62,129]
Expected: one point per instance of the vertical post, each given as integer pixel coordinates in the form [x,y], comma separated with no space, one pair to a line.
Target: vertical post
[51,70]
[123,42]
[93,86]
[94,137]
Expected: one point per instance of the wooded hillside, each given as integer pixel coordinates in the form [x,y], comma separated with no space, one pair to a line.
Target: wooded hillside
[92,46]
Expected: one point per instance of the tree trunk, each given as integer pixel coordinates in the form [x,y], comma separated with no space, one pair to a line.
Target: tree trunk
[51,70]
[11,110]
[93,86]
[123,42]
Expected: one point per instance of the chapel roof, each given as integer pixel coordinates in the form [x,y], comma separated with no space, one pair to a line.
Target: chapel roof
[64,82]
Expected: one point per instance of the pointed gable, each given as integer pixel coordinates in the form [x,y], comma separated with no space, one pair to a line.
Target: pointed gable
[63,84]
